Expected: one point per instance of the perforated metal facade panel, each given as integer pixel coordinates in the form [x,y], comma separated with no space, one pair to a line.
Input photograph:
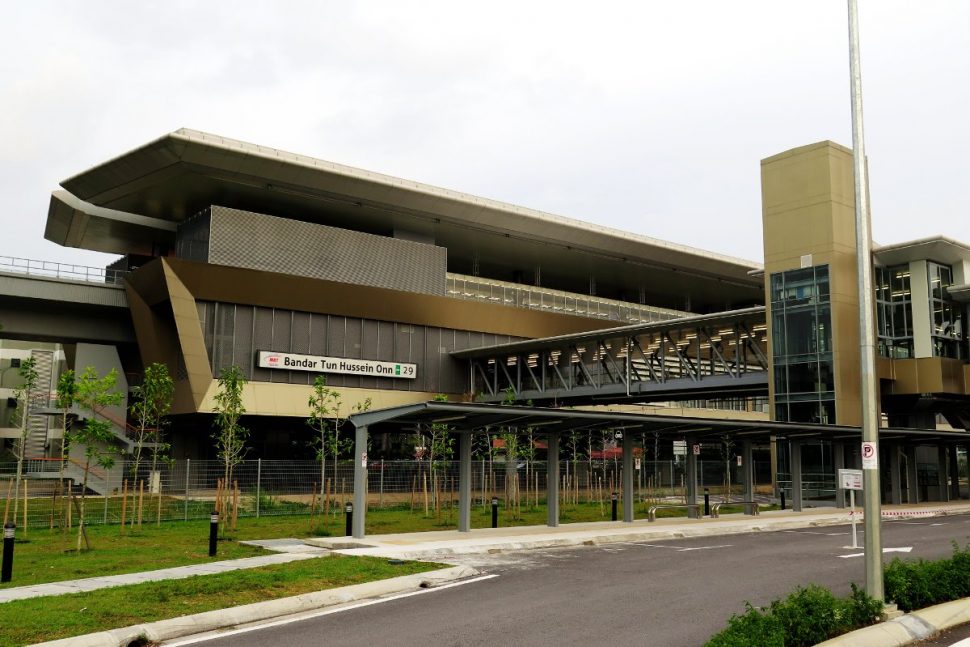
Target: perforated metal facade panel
[233,333]
[237,238]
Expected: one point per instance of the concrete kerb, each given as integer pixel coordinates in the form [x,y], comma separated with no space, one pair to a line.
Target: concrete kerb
[260,611]
[907,629]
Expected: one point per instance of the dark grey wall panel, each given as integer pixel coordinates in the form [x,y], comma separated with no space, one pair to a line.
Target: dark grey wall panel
[234,333]
[261,242]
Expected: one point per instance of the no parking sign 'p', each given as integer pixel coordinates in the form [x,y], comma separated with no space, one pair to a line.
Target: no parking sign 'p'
[870,457]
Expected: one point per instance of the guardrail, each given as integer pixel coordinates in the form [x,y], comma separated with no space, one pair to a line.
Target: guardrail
[693,510]
[51,269]
[752,508]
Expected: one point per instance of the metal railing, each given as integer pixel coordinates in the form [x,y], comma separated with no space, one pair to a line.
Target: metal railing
[65,271]
[186,489]
[750,507]
[537,298]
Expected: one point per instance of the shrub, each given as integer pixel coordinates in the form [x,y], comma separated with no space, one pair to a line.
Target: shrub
[750,628]
[919,584]
[808,616]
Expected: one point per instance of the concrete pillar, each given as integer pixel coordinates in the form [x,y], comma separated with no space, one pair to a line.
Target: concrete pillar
[465,482]
[691,473]
[552,482]
[796,474]
[628,493]
[360,482]
[944,485]
[838,457]
[747,469]
[895,475]
[912,475]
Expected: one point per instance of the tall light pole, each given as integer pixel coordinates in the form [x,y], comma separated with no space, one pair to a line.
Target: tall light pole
[870,418]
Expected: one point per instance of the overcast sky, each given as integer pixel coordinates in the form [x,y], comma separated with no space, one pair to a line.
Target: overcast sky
[646,116]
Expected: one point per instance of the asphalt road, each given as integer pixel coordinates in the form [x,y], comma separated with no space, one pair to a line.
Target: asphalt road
[667,594]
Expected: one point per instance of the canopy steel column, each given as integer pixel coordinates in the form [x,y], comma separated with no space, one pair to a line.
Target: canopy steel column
[747,469]
[954,474]
[838,457]
[912,476]
[360,482]
[941,473]
[895,475]
[628,477]
[691,473]
[552,481]
[465,482]
[796,475]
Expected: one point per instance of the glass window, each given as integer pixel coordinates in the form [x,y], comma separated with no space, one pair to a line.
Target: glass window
[801,345]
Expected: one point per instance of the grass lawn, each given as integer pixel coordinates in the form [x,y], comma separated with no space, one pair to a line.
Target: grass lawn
[39,619]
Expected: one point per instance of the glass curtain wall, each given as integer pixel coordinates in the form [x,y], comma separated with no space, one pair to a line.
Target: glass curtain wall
[947,317]
[894,311]
[802,345]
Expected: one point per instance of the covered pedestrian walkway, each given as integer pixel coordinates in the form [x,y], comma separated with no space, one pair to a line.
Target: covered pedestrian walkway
[466,419]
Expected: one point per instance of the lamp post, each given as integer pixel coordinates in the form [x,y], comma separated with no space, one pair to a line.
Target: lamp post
[870,419]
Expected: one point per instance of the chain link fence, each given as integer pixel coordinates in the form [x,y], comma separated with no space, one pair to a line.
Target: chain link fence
[188,489]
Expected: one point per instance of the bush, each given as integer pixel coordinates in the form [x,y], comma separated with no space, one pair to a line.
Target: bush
[915,585]
[750,628]
[808,616]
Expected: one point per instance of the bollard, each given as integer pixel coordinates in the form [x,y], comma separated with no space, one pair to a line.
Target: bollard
[782,499]
[213,533]
[494,512]
[7,569]
[613,498]
[349,509]
[707,502]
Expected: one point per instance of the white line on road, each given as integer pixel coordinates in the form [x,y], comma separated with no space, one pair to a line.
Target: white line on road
[903,549]
[316,614]
[682,549]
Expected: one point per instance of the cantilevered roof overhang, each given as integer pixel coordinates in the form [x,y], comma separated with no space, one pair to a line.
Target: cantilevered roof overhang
[186,171]
[466,417]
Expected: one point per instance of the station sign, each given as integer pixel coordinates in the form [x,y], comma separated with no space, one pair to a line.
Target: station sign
[342,365]
[850,479]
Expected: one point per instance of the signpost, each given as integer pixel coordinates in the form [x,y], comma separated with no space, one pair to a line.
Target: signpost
[851,480]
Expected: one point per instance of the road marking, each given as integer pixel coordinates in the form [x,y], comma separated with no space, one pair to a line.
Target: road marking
[835,534]
[684,549]
[805,532]
[213,635]
[903,549]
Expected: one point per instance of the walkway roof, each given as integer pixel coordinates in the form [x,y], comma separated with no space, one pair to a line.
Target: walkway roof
[464,417]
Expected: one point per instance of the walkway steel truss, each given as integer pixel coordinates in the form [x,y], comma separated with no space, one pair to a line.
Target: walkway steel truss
[705,356]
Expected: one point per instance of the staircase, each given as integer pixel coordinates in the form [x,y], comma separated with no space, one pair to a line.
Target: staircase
[38,424]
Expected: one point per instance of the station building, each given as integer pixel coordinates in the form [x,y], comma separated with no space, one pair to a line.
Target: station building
[290,267]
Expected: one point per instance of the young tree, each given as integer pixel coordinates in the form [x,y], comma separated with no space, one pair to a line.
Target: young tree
[324,406]
[153,401]
[28,373]
[728,454]
[94,395]
[440,444]
[230,436]
[66,397]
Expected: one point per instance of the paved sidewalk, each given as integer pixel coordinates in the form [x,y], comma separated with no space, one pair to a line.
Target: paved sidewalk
[440,544]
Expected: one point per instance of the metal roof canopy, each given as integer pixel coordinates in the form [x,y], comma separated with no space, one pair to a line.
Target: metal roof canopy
[468,417]
[529,345]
